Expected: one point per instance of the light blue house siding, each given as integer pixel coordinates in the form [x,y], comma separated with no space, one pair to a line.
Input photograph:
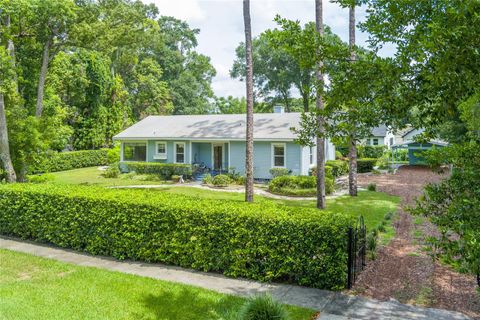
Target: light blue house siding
[151,151]
[262,158]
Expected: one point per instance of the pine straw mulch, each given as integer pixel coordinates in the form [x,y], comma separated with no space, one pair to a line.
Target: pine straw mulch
[403,270]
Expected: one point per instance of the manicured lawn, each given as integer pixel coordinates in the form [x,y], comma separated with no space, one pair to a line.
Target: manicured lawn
[372,205]
[94,176]
[37,288]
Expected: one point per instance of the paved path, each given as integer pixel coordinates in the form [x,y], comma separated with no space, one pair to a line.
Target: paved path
[332,305]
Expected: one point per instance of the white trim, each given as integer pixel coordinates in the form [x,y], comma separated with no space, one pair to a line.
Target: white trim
[190,151]
[229,150]
[175,152]
[276,144]
[122,148]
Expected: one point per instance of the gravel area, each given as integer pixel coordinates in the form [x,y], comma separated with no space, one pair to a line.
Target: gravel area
[403,270]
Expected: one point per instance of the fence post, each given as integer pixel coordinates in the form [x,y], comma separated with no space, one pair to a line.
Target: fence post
[350,258]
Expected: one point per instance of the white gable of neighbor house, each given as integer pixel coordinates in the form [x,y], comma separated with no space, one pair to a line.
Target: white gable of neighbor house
[412,134]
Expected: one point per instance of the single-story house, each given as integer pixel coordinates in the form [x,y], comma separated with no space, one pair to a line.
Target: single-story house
[377,136]
[415,149]
[217,142]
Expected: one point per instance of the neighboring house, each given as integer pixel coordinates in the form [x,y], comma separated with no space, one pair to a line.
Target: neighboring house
[377,137]
[217,142]
[414,148]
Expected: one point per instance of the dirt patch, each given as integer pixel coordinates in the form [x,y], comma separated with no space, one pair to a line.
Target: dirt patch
[403,270]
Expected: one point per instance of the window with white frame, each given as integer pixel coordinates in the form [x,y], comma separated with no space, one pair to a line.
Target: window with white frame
[278,154]
[180,152]
[375,142]
[161,149]
[311,155]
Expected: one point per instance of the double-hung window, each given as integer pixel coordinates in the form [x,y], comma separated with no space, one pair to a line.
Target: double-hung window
[179,152]
[161,150]
[278,155]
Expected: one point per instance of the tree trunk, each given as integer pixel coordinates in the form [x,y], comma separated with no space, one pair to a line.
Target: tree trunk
[321,203]
[249,82]
[42,77]
[5,158]
[352,145]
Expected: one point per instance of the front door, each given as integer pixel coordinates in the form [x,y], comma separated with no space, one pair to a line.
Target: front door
[217,157]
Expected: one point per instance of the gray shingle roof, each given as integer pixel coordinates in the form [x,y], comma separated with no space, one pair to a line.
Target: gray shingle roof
[267,126]
[380,131]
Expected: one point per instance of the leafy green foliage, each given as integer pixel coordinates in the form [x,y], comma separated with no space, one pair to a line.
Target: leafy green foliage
[298,185]
[258,241]
[207,179]
[61,161]
[163,170]
[365,165]
[453,205]
[371,151]
[222,180]
[277,172]
[372,187]
[339,167]
[113,171]
[40,178]
[263,307]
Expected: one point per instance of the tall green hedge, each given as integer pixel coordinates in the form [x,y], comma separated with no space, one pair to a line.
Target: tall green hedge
[61,161]
[257,241]
[164,170]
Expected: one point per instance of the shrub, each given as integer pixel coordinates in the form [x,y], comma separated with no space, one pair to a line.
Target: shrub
[339,167]
[40,178]
[112,171]
[240,180]
[365,165]
[338,155]
[61,161]
[113,154]
[176,178]
[298,185]
[328,172]
[163,170]
[264,241]
[373,151]
[263,307]
[372,187]
[221,180]
[207,179]
[372,240]
[278,172]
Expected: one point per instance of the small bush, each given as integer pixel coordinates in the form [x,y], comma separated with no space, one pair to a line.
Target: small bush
[328,172]
[221,180]
[365,165]
[338,155]
[263,307]
[61,161]
[112,171]
[278,172]
[176,178]
[372,187]
[113,154]
[163,170]
[339,167]
[372,240]
[298,185]
[40,178]
[373,151]
[240,180]
[207,179]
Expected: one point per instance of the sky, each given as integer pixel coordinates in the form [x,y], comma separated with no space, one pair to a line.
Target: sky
[221,28]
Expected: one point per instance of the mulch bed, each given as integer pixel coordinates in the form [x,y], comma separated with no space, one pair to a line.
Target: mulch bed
[403,270]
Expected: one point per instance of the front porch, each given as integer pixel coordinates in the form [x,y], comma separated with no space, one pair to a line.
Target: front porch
[209,157]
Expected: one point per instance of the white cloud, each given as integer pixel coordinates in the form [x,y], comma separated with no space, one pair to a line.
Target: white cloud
[221,28]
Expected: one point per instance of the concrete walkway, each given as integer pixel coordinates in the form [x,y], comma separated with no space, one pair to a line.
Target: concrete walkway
[332,305]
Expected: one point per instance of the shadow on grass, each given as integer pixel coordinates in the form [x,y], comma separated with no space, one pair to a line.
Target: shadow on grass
[190,304]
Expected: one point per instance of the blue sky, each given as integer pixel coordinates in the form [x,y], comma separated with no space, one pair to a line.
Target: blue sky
[221,28]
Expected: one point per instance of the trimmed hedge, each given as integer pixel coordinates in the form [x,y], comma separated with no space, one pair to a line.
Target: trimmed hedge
[62,161]
[300,186]
[257,241]
[365,165]
[373,151]
[164,170]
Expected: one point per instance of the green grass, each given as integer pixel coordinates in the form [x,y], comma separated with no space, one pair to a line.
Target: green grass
[372,205]
[38,288]
[93,176]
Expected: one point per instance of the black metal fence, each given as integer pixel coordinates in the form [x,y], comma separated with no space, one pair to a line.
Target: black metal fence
[357,248]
